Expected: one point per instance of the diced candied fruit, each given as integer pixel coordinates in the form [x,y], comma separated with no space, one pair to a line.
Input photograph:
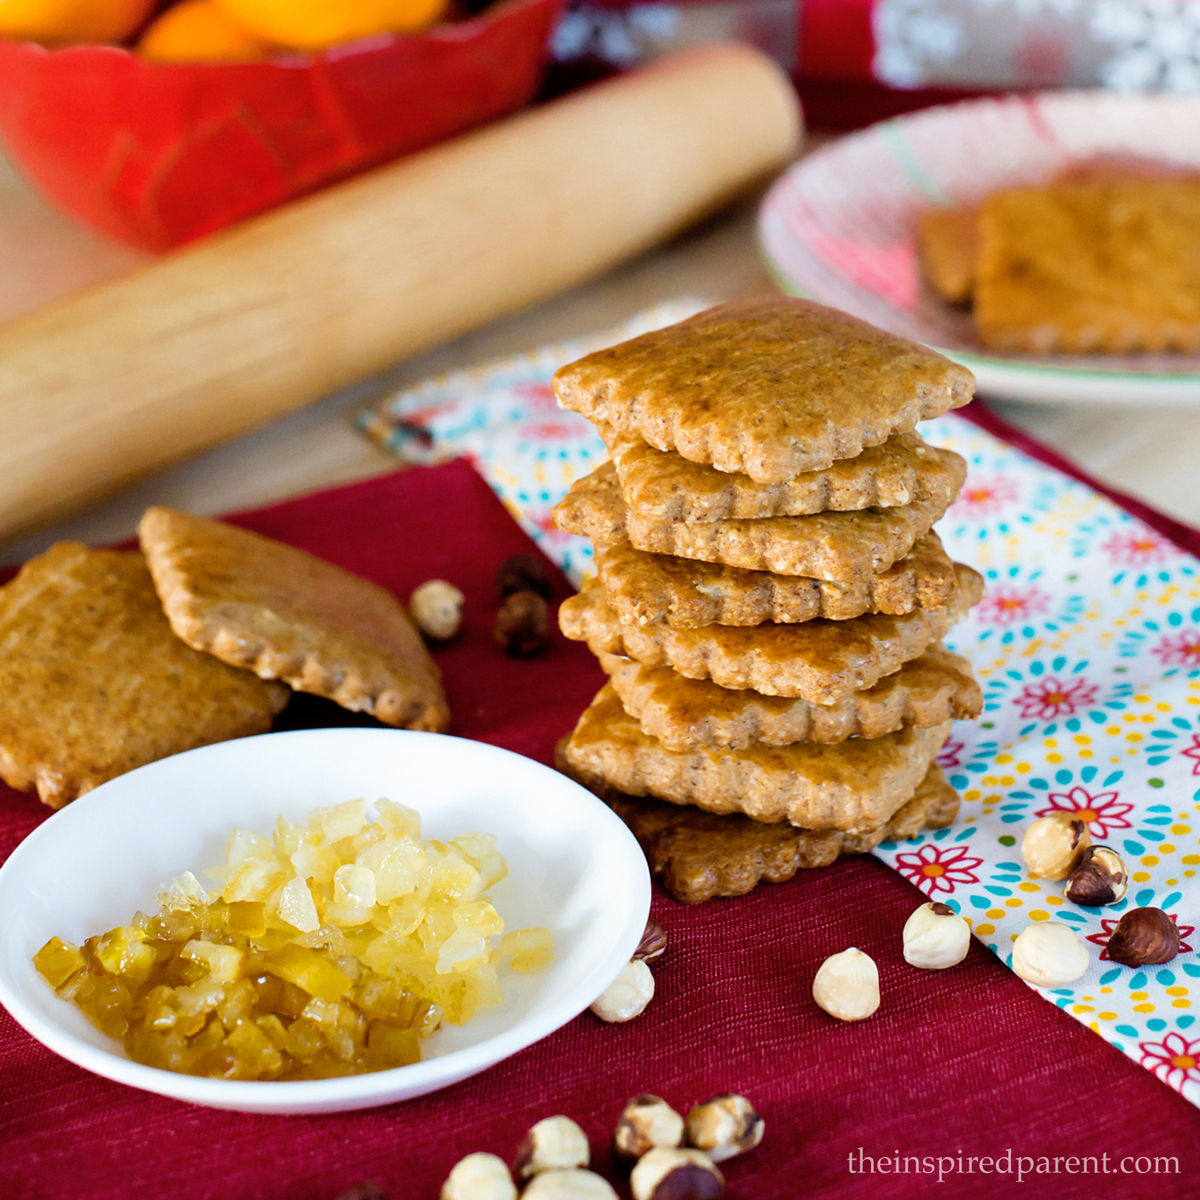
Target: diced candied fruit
[528,949]
[354,885]
[400,817]
[181,893]
[106,1002]
[223,963]
[308,970]
[252,879]
[315,862]
[479,849]
[255,1055]
[58,962]
[247,917]
[338,821]
[123,951]
[296,906]
[451,878]
[391,1046]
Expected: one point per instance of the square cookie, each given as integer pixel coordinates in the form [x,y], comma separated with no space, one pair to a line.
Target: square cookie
[93,683]
[770,386]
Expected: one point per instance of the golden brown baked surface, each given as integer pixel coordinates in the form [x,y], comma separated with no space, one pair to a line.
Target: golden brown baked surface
[1095,265]
[690,714]
[845,547]
[661,486]
[284,614]
[819,661]
[697,855]
[93,682]
[770,386]
[853,786]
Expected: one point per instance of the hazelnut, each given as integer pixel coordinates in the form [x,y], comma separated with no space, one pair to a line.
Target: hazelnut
[666,1174]
[847,985]
[555,1143]
[1053,845]
[627,995]
[559,1184]
[522,573]
[437,608]
[479,1177]
[368,1190]
[523,625]
[1144,937]
[1100,878]
[1049,954]
[653,944]
[724,1127]
[935,937]
[646,1122]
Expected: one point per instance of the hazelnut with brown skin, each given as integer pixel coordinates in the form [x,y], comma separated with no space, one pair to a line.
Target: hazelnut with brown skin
[522,573]
[1144,937]
[646,1123]
[1100,878]
[665,1174]
[1053,845]
[523,625]
[724,1127]
[653,944]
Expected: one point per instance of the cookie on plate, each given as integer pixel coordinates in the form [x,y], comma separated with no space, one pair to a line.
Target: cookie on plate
[854,786]
[93,683]
[690,714]
[845,547]
[770,386]
[284,614]
[656,589]
[660,486]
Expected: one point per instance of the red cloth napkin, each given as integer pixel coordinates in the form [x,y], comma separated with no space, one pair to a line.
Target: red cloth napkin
[968,1062]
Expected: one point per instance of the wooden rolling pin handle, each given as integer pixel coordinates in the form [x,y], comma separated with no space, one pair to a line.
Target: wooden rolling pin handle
[216,339]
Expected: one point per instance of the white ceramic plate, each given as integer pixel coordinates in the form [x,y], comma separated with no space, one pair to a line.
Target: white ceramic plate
[573,866]
[838,226]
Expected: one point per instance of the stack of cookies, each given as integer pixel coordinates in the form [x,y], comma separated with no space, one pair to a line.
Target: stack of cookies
[770,595]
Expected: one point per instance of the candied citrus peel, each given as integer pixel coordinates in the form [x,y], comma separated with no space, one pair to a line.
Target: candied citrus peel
[331,948]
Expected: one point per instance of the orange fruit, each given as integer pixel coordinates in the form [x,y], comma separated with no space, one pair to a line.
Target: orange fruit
[200,31]
[316,24]
[72,20]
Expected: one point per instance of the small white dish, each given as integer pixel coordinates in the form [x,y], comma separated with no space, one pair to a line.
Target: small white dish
[839,226]
[573,866]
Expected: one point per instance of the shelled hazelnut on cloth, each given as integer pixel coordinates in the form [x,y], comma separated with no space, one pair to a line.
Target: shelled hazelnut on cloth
[646,1123]
[522,573]
[1050,955]
[935,937]
[627,996]
[437,608]
[523,625]
[847,985]
[573,1184]
[1144,937]
[1100,878]
[666,1174]
[554,1143]
[1053,846]
[653,944]
[479,1177]
[724,1127]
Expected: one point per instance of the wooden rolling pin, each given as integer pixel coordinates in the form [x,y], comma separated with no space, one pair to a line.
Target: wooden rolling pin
[219,338]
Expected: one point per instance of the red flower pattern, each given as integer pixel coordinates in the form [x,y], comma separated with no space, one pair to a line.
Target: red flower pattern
[1193,752]
[951,754]
[1138,548]
[1009,605]
[1180,649]
[1103,812]
[1108,924]
[984,497]
[935,870]
[1174,1060]
[1049,699]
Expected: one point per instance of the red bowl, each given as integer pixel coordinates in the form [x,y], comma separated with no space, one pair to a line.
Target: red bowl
[159,153]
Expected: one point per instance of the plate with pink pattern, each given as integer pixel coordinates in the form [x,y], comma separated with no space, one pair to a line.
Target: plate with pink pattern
[840,225]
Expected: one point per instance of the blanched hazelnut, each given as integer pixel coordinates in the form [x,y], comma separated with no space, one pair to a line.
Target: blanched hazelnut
[724,1127]
[437,608]
[847,985]
[479,1177]
[1053,845]
[653,944]
[1050,955]
[627,996]
[665,1174]
[646,1122]
[571,1184]
[935,937]
[554,1143]
[1100,878]
[1144,937]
